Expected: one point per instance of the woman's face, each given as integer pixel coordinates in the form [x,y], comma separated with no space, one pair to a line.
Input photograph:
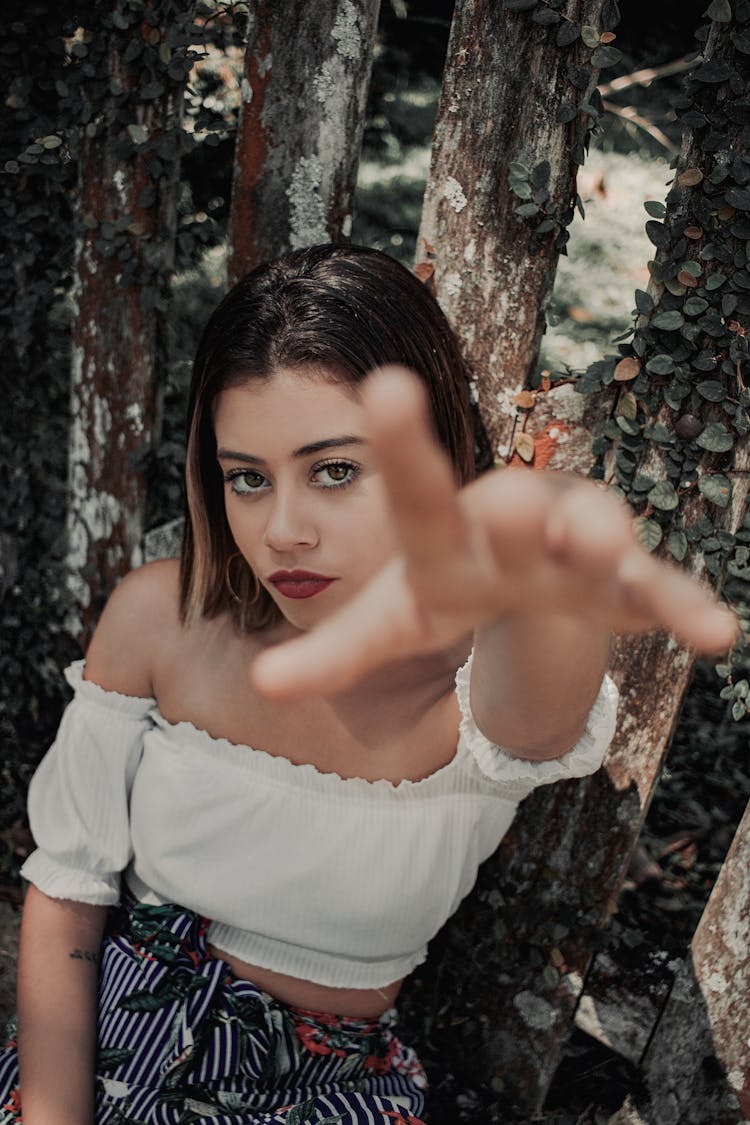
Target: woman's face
[304,500]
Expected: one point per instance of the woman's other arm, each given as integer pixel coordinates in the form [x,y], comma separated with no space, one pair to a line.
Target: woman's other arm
[57,1021]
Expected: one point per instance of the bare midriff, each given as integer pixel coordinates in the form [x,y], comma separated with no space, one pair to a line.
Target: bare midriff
[360,1003]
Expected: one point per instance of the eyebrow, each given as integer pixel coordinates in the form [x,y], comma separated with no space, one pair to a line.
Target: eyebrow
[303,451]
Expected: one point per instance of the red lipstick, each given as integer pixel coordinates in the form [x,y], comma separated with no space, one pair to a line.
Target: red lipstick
[300,583]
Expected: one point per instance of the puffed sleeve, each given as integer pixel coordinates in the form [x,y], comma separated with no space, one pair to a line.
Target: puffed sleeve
[79,795]
[518,776]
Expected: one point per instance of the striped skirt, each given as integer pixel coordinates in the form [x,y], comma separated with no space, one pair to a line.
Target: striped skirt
[182,1040]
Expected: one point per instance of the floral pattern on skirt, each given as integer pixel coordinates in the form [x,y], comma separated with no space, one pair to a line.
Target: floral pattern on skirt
[182,1041]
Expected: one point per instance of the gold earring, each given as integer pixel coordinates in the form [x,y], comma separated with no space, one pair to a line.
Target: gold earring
[228,581]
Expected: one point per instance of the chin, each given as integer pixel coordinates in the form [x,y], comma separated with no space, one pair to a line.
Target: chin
[305,613]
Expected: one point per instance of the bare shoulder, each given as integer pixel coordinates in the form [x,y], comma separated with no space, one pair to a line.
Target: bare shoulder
[140,621]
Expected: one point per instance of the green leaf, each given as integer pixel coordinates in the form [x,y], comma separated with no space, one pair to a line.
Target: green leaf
[715,280]
[693,268]
[566,112]
[521,188]
[739,198]
[590,35]
[716,488]
[712,390]
[677,545]
[546,17]
[669,321]
[526,210]
[541,173]
[720,11]
[658,234]
[659,433]
[660,365]
[655,209]
[739,710]
[519,171]
[663,496]
[567,33]
[610,15]
[716,438]
[627,425]
[694,306]
[605,56]
[644,302]
[648,532]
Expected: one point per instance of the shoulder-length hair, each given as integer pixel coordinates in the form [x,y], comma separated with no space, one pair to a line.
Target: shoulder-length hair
[342,309]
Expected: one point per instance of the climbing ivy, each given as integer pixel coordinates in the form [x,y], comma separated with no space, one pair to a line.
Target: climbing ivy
[589,49]
[60,90]
[681,376]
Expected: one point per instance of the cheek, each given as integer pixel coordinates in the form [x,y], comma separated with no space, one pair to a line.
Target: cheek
[373,536]
[243,522]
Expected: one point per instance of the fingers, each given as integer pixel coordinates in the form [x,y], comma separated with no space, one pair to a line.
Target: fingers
[417,473]
[370,630]
[577,540]
[673,600]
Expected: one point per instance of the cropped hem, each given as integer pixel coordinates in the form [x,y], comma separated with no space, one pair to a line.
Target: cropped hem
[520,775]
[330,969]
[334,970]
[58,881]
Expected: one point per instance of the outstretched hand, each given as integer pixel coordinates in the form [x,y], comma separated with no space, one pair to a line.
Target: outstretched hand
[513,542]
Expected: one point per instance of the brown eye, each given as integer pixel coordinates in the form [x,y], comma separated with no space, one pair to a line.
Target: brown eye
[335,474]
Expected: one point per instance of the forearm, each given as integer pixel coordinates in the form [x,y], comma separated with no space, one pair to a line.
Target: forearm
[534,679]
[57,985]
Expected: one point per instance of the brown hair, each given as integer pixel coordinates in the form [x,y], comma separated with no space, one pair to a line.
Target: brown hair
[343,309]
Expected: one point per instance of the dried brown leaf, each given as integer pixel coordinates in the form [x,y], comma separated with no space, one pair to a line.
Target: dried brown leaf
[525,399]
[627,369]
[690,177]
[524,447]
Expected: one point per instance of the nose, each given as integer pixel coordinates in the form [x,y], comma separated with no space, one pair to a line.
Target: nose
[290,524]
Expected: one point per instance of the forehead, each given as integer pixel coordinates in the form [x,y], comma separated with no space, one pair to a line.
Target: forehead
[288,410]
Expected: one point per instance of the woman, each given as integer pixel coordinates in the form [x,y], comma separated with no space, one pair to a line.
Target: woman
[260,789]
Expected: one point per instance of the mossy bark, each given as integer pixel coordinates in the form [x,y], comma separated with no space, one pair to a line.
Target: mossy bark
[127,184]
[307,69]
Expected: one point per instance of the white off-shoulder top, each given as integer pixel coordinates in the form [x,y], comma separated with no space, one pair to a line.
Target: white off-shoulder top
[338,881]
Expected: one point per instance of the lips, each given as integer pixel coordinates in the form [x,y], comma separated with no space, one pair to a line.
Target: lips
[300,583]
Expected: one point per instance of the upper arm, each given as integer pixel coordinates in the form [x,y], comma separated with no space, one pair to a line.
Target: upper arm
[134,629]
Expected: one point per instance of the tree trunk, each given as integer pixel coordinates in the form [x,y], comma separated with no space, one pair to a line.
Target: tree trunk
[514,959]
[307,68]
[509,102]
[707,1017]
[128,180]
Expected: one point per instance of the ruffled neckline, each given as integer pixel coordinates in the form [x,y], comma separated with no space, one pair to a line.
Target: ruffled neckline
[273,766]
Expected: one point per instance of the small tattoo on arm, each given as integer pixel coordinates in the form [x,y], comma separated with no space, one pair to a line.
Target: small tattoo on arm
[84,955]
